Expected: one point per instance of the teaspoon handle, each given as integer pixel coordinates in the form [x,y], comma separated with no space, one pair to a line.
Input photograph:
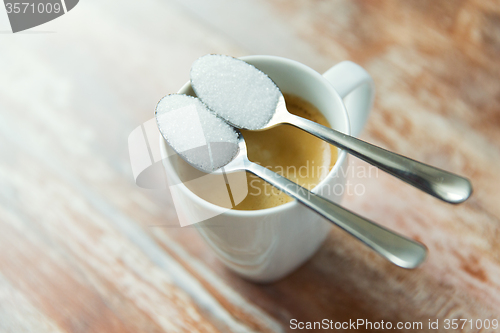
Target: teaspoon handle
[397,249]
[441,184]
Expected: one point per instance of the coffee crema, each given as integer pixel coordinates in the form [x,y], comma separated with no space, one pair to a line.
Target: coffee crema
[285,149]
[290,152]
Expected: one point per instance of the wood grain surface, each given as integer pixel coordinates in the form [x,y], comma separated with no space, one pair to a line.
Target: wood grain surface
[83,249]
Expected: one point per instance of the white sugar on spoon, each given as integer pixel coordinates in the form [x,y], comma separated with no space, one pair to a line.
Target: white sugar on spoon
[200,137]
[188,125]
[235,90]
[248,99]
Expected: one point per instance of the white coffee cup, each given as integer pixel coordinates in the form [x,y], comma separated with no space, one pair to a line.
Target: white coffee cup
[265,245]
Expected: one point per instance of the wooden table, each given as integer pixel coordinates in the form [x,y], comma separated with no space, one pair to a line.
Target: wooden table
[83,249]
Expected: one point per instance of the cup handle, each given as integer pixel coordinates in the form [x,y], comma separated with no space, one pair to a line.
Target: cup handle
[355,86]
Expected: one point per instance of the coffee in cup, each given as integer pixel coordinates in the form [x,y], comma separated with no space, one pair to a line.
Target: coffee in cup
[286,150]
[290,152]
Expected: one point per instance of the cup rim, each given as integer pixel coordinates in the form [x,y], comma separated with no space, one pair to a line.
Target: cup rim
[342,155]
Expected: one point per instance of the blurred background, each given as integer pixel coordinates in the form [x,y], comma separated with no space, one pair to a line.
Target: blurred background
[83,249]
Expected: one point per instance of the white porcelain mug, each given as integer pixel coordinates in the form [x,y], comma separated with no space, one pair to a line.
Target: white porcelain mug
[265,245]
